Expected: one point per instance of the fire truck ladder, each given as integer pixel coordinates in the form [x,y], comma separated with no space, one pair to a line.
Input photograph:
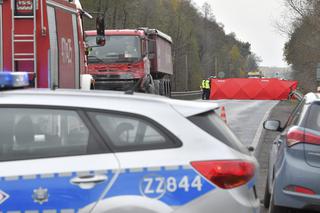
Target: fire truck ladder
[24,38]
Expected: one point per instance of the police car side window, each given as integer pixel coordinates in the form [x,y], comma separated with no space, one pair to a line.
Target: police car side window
[130,133]
[39,133]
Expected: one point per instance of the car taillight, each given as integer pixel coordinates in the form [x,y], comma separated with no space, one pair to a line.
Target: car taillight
[299,189]
[226,174]
[301,135]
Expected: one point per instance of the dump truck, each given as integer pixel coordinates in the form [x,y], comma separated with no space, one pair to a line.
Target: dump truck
[131,58]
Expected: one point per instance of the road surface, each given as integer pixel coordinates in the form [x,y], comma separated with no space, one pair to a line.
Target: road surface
[245,117]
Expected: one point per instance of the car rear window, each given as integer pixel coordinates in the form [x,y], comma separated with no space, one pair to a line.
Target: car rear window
[212,124]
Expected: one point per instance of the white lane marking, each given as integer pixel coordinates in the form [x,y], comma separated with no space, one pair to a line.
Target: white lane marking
[257,136]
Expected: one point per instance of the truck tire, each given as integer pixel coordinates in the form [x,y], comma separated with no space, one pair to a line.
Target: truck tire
[157,87]
[169,89]
[161,87]
[151,89]
[165,87]
[148,85]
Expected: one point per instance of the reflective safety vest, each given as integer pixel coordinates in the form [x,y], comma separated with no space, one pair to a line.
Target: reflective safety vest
[205,84]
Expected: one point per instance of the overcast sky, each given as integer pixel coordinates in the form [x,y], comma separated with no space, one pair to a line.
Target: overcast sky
[253,21]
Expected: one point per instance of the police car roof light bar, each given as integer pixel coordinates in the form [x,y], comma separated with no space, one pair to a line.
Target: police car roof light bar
[11,80]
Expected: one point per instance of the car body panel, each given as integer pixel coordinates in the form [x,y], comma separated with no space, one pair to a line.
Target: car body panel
[116,100]
[51,178]
[295,171]
[293,165]
[312,151]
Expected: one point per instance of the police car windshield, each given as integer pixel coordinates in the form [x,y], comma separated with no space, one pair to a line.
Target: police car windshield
[118,49]
[212,124]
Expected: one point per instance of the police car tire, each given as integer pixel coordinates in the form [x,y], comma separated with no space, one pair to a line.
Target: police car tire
[267,195]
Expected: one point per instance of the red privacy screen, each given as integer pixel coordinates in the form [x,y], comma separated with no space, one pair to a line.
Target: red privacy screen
[251,88]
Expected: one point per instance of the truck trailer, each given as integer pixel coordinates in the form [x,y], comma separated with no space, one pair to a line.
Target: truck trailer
[131,57]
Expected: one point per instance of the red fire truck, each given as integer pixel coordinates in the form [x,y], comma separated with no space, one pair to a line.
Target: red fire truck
[44,38]
[131,57]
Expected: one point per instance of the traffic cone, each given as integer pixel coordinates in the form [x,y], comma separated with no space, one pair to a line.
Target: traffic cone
[223,114]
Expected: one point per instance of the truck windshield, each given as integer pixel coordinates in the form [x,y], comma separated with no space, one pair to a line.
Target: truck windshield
[118,49]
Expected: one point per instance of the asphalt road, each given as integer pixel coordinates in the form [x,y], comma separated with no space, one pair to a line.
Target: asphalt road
[280,112]
[245,118]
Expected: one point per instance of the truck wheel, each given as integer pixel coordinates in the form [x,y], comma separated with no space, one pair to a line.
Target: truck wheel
[150,89]
[161,87]
[164,87]
[169,89]
[157,87]
[148,85]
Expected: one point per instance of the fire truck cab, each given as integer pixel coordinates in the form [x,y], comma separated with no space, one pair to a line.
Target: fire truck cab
[44,38]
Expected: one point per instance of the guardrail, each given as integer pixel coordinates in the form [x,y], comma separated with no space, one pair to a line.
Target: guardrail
[187,95]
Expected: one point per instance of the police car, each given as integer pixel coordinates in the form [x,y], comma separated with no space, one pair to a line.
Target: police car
[98,151]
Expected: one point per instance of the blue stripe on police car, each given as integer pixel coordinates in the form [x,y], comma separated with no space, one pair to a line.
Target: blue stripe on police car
[174,187]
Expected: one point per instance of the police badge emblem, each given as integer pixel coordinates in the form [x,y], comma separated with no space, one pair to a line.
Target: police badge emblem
[40,195]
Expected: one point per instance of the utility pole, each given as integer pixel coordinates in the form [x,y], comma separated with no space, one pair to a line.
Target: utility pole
[187,74]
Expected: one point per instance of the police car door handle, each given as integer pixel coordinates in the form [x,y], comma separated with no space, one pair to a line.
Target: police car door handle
[88,181]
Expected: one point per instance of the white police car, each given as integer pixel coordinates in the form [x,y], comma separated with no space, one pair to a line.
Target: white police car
[75,151]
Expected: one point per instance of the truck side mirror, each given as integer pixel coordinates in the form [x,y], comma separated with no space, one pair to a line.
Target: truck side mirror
[100,26]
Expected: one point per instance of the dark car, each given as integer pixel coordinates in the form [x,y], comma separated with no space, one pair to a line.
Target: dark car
[293,180]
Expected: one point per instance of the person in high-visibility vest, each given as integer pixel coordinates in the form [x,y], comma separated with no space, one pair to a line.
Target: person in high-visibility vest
[205,87]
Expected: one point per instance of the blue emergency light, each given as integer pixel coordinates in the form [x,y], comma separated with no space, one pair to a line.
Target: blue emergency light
[13,80]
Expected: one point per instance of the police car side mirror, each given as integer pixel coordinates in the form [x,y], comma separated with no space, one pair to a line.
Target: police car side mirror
[100,26]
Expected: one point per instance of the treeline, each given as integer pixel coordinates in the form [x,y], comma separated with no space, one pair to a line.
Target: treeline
[302,50]
[200,45]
